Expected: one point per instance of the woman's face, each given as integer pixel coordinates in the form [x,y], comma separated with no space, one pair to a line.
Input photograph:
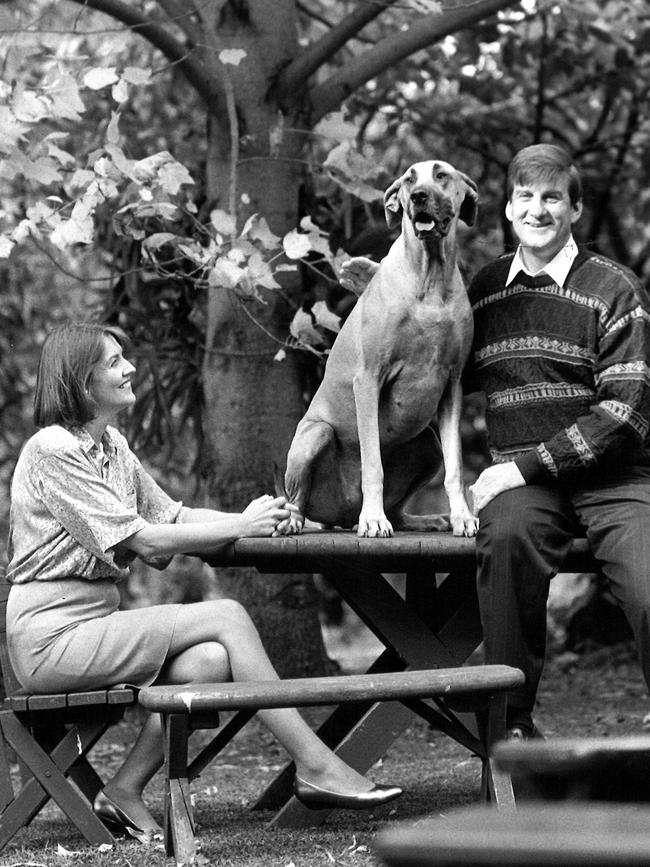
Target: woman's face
[110,383]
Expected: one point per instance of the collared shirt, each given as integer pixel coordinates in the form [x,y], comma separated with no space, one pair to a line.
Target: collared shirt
[557,269]
[73,502]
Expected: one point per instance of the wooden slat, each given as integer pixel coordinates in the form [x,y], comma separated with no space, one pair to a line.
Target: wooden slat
[395,554]
[313,691]
[553,835]
[49,781]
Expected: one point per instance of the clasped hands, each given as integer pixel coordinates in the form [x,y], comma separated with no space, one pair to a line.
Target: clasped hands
[269,516]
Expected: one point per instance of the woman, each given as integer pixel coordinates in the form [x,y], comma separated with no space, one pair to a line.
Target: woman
[82,508]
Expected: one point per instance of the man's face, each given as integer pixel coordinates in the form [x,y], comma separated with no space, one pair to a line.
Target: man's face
[542,215]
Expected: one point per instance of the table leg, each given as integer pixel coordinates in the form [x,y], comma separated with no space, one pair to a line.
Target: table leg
[408,629]
[180,839]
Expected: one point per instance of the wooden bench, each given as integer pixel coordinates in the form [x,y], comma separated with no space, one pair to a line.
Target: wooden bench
[192,706]
[579,769]
[540,835]
[51,736]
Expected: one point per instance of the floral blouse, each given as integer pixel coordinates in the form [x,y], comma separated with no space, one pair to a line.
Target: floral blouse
[72,502]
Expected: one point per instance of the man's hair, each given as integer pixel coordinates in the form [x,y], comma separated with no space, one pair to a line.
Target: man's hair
[542,163]
[68,359]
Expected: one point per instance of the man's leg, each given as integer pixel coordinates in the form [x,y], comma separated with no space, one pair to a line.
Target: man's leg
[617,519]
[524,536]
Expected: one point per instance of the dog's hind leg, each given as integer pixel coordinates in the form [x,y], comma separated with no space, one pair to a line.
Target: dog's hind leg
[312,437]
[408,469]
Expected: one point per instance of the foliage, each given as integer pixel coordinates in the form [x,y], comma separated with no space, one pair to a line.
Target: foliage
[104,149]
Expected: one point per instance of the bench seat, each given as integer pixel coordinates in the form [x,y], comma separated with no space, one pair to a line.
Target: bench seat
[190,706]
[51,736]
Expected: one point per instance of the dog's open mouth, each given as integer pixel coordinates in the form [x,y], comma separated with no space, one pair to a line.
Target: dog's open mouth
[425,226]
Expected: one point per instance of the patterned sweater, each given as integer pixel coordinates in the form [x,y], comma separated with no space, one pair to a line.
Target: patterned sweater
[566,371]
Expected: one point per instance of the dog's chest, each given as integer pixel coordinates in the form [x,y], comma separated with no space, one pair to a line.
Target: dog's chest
[423,338]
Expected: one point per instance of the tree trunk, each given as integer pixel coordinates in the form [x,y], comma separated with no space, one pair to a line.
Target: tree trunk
[253,403]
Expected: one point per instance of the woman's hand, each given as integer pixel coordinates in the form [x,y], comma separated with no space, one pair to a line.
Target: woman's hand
[262,515]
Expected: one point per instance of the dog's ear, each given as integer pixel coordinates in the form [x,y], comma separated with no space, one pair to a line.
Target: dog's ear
[393,205]
[469,206]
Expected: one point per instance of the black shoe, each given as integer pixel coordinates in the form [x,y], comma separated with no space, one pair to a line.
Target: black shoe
[119,823]
[316,798]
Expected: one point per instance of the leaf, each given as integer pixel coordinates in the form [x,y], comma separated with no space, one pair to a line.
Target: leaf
[27,105]
[349,169]
[334,126]
[223,222]
[100,77]
[39,212]
[62,852]
[66,102]
[10,129]
[81,178]
[120,91]
[232,56]
[112,130]
[158,239]
[324,316]
[42,170]
[257,229]
[136,75]
[225,273]
[6,246]
[65,159]
[318,240]
[302,328]
[172,176]
[260,273]
[295,244]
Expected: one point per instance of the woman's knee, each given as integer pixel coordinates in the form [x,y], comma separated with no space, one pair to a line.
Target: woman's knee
[206,662]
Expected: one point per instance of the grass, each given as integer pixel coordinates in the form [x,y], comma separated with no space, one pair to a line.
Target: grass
[599,694]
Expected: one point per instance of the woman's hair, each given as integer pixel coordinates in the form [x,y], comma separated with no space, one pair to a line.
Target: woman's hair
[66,365]
[544,162]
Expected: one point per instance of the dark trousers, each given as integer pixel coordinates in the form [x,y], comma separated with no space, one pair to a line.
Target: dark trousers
[523,538]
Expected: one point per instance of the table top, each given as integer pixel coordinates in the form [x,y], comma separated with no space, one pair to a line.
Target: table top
[396,553]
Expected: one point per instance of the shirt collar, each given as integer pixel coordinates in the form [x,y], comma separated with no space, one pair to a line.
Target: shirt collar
[88,444]
[557,269]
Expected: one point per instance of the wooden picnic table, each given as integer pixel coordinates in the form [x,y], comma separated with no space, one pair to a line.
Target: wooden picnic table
[435,624]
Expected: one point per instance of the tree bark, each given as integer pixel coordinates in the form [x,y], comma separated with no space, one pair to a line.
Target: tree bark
[253,403]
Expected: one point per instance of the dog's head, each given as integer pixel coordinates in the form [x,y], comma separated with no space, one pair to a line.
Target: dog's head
[433,195]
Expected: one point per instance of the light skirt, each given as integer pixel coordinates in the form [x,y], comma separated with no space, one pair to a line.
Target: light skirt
[68,635]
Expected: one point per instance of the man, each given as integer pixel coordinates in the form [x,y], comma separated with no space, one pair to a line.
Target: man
[562,352]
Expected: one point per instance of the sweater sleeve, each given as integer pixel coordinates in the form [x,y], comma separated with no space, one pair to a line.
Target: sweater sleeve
[616,423]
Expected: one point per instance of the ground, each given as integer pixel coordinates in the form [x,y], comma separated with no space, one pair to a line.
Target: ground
[600,693]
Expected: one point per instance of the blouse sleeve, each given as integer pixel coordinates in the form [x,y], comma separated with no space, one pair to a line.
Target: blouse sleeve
[88,508]
[100,513]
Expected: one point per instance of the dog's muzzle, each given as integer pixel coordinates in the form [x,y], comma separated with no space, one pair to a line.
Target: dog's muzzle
[431,219]
[428,225]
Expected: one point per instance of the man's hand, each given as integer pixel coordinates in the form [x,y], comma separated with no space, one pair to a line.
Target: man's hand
[493,481]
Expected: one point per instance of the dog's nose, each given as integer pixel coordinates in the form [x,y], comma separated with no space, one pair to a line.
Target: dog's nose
[419,198]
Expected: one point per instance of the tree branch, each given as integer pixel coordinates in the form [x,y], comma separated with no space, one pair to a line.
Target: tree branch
[179,14]
[328,95]
[297,73]
[161,39]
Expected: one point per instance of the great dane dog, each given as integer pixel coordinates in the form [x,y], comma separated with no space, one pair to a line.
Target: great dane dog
[366,442]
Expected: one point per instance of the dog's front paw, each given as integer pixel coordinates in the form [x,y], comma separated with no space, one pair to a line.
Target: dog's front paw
[375,527]
[464,525]
[356,273]
[291,526]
